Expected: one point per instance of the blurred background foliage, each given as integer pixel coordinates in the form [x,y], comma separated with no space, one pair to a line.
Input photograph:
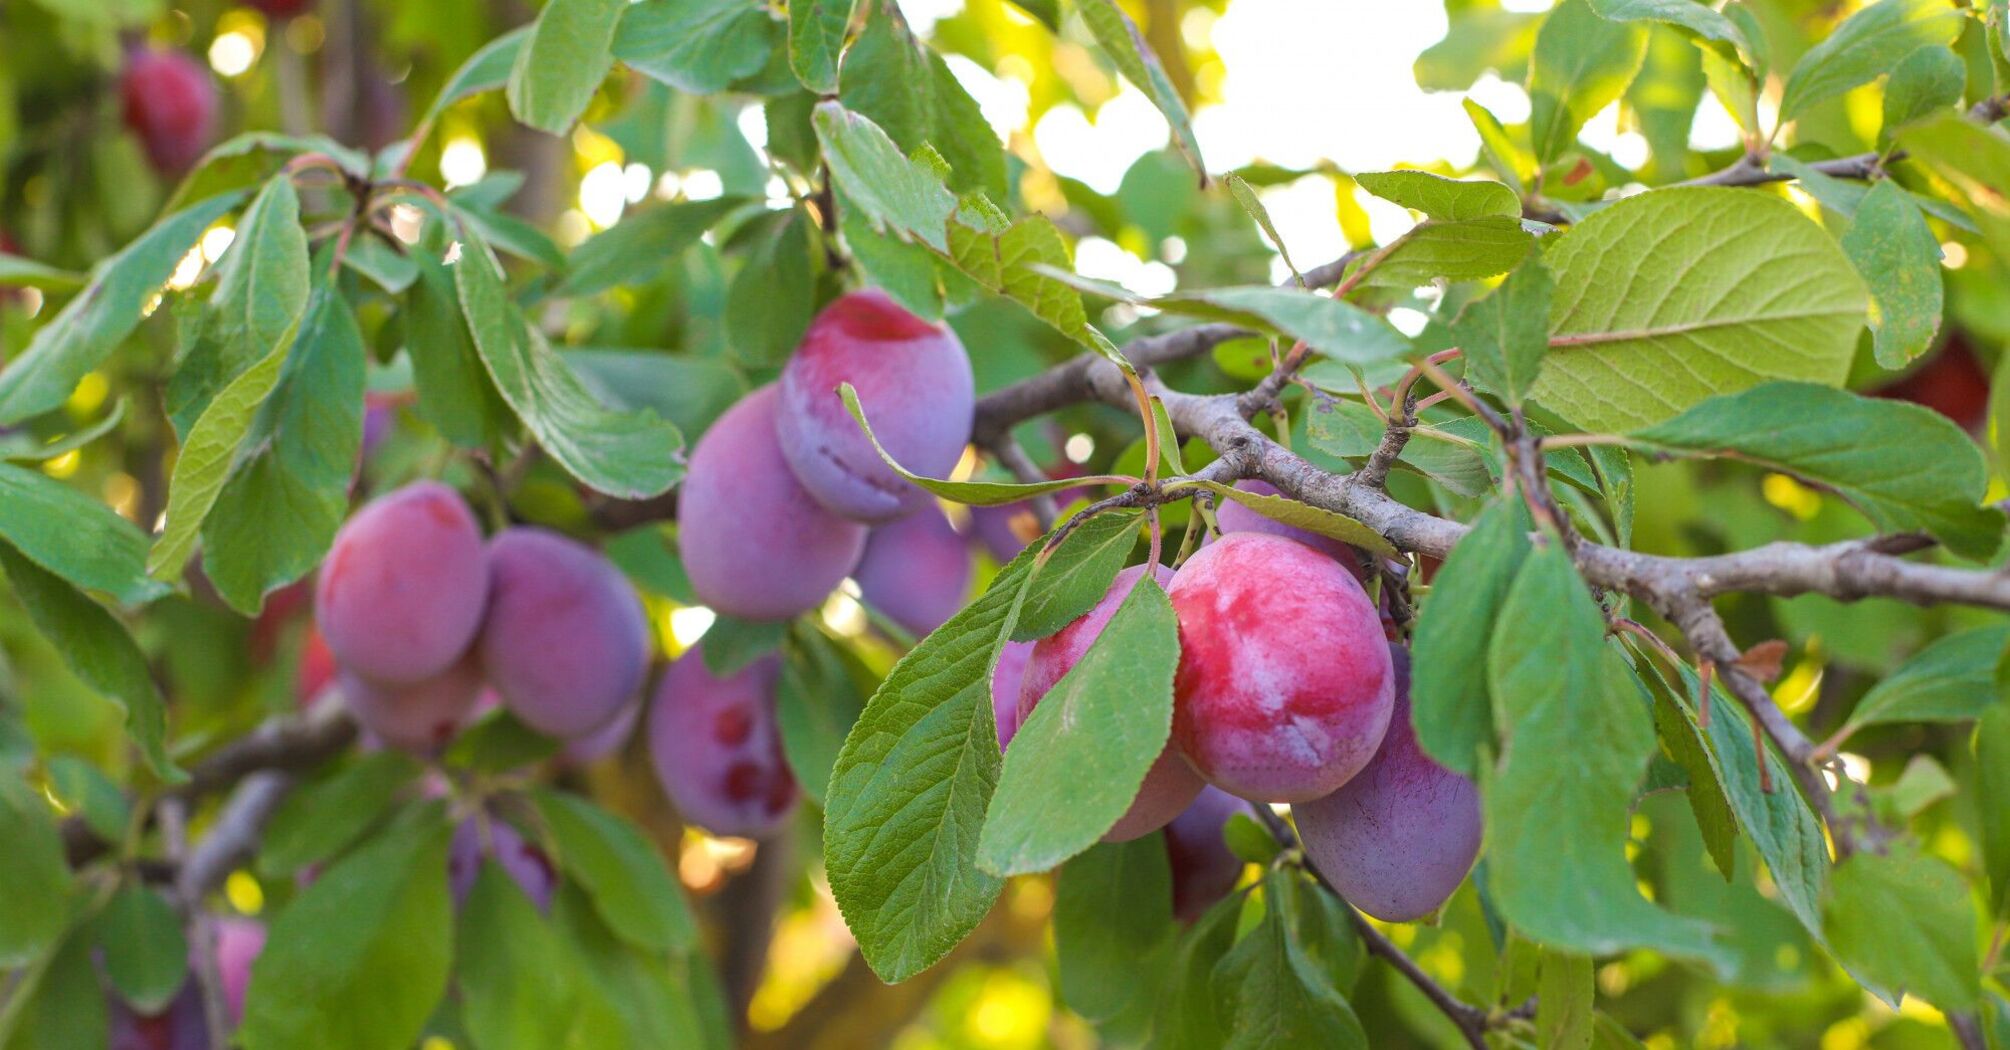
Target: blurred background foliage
[1294,94]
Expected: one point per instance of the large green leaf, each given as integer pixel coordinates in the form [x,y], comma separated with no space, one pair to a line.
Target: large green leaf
[517,993]
[34,880]
[1866,46]
[906,88]
[1928,81]
[79,338]
[1112,919]
[71,534]
[1449,690]
[816,36]
[1274,993]
[1464,250]
[816,703]
[629,997]
[561,64]
[1899,258]
[1698,18]
[1904,467]
[1333,327]
[621,871]
[1904,920]
[1078,761]
[1505,335]
[321,819]
[1952,680]
[455,392]
[632,455]
[1441,198]
[1126,46]
[773,295]
[486,70]
[146,956]
[204,462]
[695,46]
[1025,263]
[892,192]
[1581,64]
[1669,297]
[60,1004]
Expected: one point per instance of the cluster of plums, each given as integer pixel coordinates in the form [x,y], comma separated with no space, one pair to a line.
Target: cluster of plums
[1287,691]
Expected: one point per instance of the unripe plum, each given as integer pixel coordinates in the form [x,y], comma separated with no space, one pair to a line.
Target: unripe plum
[915,383]
[1284,688]
[1170,785]
[421,717]
[1233,517]
[402,592]
[524,861]
[1204,869]
[238,943]
[1399,838]
[916,570]
[717,748]
[565,643]
[1005,684]
[754,542]
[170,103]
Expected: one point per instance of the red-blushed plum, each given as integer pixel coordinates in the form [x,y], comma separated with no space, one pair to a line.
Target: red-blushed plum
[916,570]
[606,740]
[1233,517]
[565,643]
[178,1027]
[1399,838]
[1170,785]
[170,103]
[914,381]
[755,544]
[1203,867]
[421,717]
[238,942]
[1005,683]
[402,592]
[316,669]
[524,861]
[277,9]
[717,749]
[1284,688]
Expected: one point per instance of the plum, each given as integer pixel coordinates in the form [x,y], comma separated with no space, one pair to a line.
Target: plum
[1170,785]
[1005,679]
[1399,838]
[602,742]
[238,943]
[755,544]
[916,570]
[915,384]
[402,592]
[180,1026]
[1284,687]
[1233,517]
[565,643]
[421,717]
[279,9]
[1203,867]
[717,748]
[315,670]
[524,861]
[170,103]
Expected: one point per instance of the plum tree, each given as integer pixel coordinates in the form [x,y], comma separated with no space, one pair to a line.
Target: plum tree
[755,543]
[717,748]
[565,642]
[170,103]
[1203,867]
[1397,839]
[1170,785]
[487,838]
[420,717]
[1284,688]
[402,591]
[916,570]
[238,944]
[915,384]
[1233,517]
[1005,682]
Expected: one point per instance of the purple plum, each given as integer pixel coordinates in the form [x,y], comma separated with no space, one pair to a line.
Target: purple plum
[402,592]
[565,643]
[916,570]
[717,749]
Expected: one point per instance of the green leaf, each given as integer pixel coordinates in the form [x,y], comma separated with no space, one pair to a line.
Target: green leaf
[319,821]
[204,462]
[1951,680]
[632,455]
[1976,159]
[1904,920]
[1506,334]
[21,272]
[1305,516]
[1865,46]
[21,448]
[628,997]
[1126,46]
[1685,742]
[1112,914]
[1449,689]
[1696,17]
[642,244]
[1992,796]
[85,790]
[1441,198]
[892,192]
[1333,327]
[695,46]
[97,650]
[1904,467]
[1244,195]
[486,70]
[816,37]
[506,233]
[286,497]
[905,87]
[34,878]
[563,61]
[455,393]
[392,270]
[1071,586]
[773,296]
[100,317]
[647,554]
[1276,996]
[1669,297]
[1563,1004]
[1460,251]
[59,1005]
[907,272]
[620,870]
[973,493]
[497,743]
[1927,81]
[816,704]
[1028,263]
[1502,151]
[1557,868]
[1081,756]
[1899,258]
[1193,1022]
[359,959]
[146,957]
[72,535]
[516,990]
[1581,64]
[688,391]
[732,644]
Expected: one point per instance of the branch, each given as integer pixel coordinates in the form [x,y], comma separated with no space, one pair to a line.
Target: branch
[1751,171]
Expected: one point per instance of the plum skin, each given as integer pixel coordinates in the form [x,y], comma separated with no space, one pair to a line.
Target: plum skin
[1170,785]
[915,570]
[404,586]
[717,748]
[754,542]
[1233,517]
[1399,838]
[1284,687]
[565,642]
[169,101]
[1204,870]
[522,860]
[1006,677]
[915,384]
[420,718]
